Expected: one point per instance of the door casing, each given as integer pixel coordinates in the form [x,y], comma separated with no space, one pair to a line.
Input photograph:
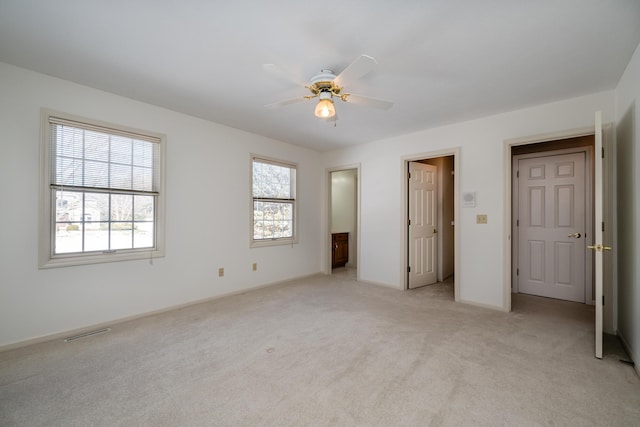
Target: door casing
[610,290]
[327,240]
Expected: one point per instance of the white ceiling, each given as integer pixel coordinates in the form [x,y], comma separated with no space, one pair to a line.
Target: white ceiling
[441,61]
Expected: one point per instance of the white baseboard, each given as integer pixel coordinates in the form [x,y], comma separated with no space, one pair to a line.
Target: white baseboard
[629,351]
[85,329]
[384,285]
[488,306]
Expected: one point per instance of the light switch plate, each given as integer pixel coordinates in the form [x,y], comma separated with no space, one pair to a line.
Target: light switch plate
[481,219]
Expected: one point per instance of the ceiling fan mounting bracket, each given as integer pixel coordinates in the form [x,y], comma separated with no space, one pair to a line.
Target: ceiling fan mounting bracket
[324,82]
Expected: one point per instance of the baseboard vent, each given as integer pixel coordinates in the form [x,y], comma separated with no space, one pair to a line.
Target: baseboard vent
[87,334]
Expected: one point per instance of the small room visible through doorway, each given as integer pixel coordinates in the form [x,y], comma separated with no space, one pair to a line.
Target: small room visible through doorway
[344,219]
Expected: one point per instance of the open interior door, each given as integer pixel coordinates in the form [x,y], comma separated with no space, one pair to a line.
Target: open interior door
[423,205]
[598,245]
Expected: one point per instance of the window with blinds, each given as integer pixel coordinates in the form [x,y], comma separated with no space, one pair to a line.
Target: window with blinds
[103,188]
[274,202]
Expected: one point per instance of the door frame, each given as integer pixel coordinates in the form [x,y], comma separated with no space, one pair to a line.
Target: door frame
[327,238]
[588,267]
[455,153]
[610,268]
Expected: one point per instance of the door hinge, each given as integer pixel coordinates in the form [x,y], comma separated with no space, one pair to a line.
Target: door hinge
[517,271]
[408,175]
[602,299]
[517,174]
[603,152]
[603,226]
[408,222]
[517,223]
[408,269]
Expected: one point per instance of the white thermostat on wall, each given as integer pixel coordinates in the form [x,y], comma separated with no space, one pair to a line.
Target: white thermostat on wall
[469,199]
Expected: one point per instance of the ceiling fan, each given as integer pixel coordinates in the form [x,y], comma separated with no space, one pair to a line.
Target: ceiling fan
[326,86]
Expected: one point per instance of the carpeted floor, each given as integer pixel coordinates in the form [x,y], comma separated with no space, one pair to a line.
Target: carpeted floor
[328,351]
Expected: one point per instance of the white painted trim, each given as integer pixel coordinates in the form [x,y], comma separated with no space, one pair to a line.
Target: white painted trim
[629,351]
[486,306]
[610,232]
[327,234]
[507,228]
[551,136]
[111,323]
[515,239]
[455,152]
[383,285]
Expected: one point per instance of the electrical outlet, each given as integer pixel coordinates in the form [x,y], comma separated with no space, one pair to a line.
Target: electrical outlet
[481,219]
[254,266]
[221,272]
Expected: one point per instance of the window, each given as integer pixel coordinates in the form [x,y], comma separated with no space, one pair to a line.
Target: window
[274,202]
[101,192]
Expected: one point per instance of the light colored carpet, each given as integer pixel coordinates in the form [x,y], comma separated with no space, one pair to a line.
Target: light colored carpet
[328,351]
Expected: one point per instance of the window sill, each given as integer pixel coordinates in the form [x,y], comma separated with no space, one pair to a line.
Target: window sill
[99,258]
[272,242]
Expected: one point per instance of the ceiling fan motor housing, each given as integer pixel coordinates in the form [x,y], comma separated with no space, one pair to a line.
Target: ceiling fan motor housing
[323,82]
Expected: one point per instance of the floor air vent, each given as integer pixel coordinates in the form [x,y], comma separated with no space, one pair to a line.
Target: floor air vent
[87,334]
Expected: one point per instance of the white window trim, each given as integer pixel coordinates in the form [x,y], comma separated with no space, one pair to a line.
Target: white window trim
[282,240]
[45,250]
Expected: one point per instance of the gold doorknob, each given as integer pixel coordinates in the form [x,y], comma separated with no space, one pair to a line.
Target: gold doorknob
[435,231]
[576,235]
[599,248]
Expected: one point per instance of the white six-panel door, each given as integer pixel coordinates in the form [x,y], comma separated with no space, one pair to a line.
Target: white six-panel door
[552,225]
[423,209]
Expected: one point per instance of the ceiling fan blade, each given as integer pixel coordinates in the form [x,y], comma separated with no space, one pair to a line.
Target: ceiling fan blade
[358,68]
[368,102]
[285,102]
[282,74]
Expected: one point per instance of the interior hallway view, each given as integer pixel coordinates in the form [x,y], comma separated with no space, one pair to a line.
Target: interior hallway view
[327,350]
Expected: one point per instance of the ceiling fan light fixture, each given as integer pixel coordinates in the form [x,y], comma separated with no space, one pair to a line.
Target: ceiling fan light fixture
[325,108]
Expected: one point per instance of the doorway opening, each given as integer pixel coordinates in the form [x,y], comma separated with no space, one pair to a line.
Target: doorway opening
[552,219]
[344,220]
[600,287]
[431,212]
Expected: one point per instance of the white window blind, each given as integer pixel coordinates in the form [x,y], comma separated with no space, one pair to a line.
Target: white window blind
[91,157]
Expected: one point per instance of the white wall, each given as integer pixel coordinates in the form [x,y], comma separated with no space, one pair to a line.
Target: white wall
[344,208]
[627,95]
[481,170]
[207,189]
